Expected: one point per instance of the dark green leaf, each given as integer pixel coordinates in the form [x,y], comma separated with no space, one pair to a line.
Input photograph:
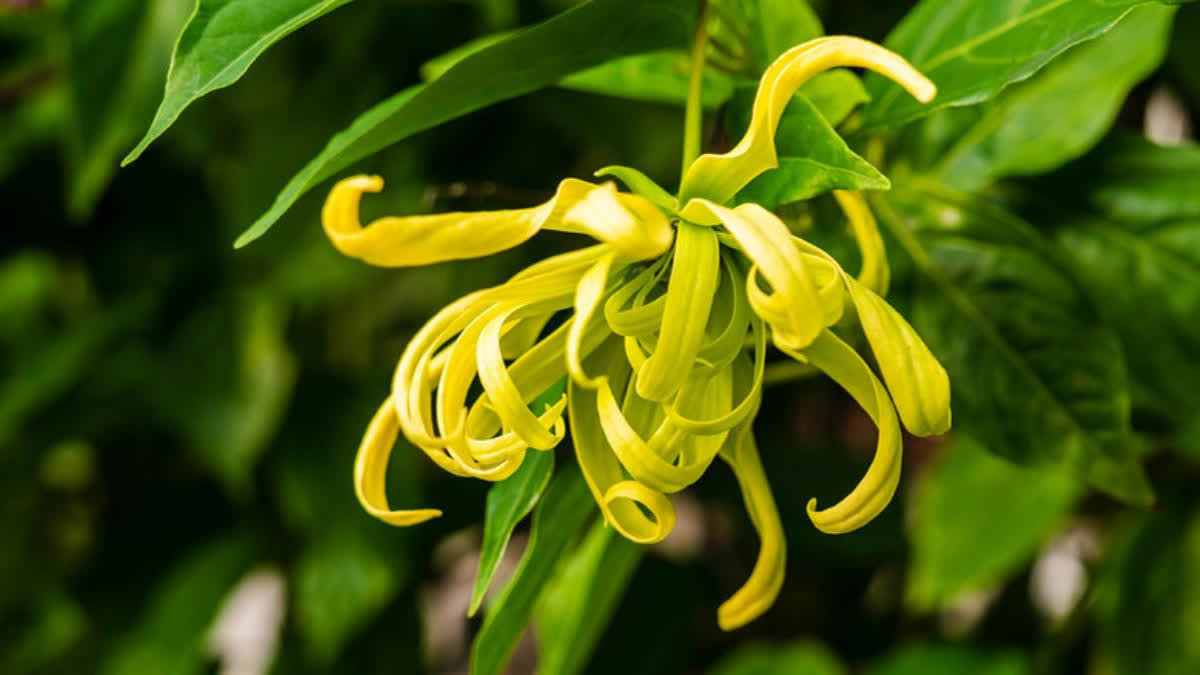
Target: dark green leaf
[1148,604]
[972,50]
[114,83]
[926,659]
[588,35]
[976,518]
[1036,376]
[1037,125]
[579,601]
[219,43]
[1132,180]
[557,520]
[508,502]
[169,637]
[800,658]
[775,26]
[813,158]
[340,583]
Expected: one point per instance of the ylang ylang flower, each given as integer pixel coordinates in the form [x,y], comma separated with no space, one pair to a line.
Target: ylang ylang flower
[671,314]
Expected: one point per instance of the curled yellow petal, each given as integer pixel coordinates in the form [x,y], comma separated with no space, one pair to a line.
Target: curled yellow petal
[719,177]
[793,306]
[836,359]
[639,513]
[370,470]
[629,222]
[875,273]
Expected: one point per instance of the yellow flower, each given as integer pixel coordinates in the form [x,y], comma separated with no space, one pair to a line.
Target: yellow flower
[666,344]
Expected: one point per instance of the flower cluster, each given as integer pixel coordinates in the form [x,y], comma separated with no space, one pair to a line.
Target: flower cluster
[670,318]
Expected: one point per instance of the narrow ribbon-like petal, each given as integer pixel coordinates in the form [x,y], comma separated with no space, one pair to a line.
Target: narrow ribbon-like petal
[694,274]
[875,273]
[836,359]
[630,223]
[793,307]
[370,470]
[719,177]
[760,590]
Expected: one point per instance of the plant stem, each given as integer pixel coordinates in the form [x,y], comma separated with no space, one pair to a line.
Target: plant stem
[693,114]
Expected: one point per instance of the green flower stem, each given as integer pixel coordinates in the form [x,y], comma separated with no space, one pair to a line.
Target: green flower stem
[692,115]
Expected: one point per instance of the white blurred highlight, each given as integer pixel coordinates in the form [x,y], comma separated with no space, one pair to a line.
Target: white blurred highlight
[245,635]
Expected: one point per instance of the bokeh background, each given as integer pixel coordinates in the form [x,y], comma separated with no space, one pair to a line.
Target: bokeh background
[178,419]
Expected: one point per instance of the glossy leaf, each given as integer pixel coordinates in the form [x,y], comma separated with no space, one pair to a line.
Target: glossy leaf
[660,77]
[799,658]
[1145,280]
[557,519]
[579,601]
[972,50]
[508,502]
[1036,375]
[1037,125]
[588,35]
[975,518]
[220,41]
[813,158]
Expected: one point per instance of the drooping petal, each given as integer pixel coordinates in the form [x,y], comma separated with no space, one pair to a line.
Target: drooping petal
[760,590]
[588,297]
[875,273]
[694,274]
[719,177]
[630,223]
[917,381]
[838,360]
[370,470]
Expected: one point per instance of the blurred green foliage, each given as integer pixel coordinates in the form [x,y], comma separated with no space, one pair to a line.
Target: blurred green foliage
[176,415]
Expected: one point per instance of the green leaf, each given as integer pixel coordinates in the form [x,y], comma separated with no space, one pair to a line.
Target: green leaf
[169,637]
[230,413]
[114,84]
[579,601]
[557,520]
[798,658]
[508,502]
[219,42]
[925,659]
[1055,116]
[1146,282]
[1148,599]
[341,581]
[976,518]
[836,93]
[775,26]
[1131,180]
[658,77]
[1035,375]
[813,158]
[972,50]
[590,34]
